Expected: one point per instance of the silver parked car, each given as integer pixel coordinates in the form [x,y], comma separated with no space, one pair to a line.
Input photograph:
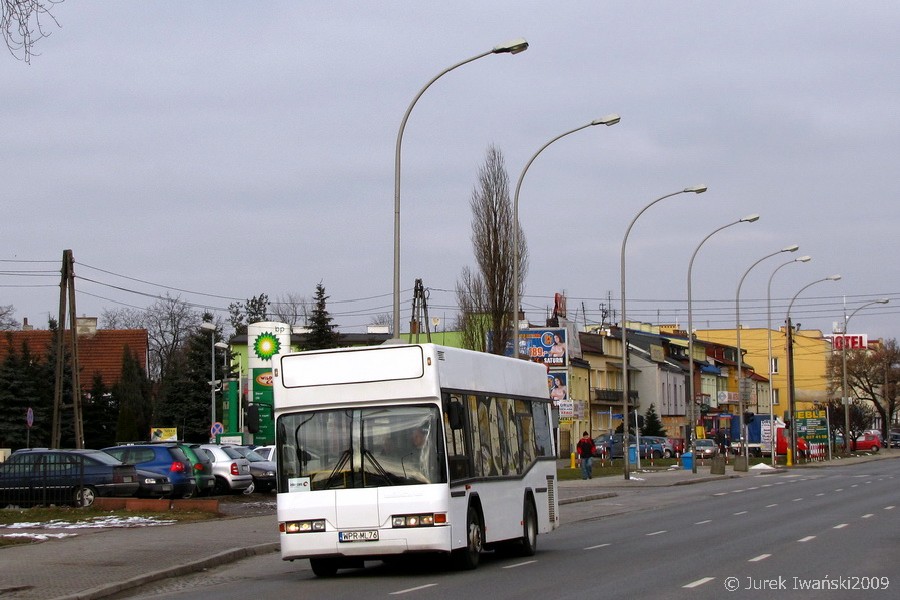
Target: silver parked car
[232,471]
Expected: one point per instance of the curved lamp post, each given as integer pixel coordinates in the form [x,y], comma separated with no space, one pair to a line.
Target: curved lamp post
[608,120]
[512,47]
[697,189]
[802,259]
[691,417]
[844,396]
[211,328]
[740,360]
[790,359]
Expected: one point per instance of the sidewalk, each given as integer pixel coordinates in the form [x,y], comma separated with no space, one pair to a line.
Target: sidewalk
[99,563]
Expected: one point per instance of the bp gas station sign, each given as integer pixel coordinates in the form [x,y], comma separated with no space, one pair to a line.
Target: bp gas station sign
[264,341]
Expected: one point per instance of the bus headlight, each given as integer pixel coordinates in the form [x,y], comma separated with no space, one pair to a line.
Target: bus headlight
[303,526]
[424,520]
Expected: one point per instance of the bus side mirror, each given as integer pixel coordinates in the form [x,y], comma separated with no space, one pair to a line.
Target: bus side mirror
[252,418]
[455,415]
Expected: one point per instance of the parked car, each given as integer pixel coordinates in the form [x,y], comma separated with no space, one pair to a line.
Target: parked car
[895,440]
[668,450]
[201,467]
[267,452]
[43,476]
[153,485]
[867,442]
[611,445]
[677,445]
[705,448]
[162,458]
[232,471]
[262,470]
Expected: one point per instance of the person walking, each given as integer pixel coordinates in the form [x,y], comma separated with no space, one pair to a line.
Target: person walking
[585,451]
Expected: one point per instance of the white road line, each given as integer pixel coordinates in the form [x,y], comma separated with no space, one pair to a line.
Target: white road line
[771,505]
[703,522]
[759,558]
[839,490]
[867,516]
[699,582]
[743,512]
[796,499]
[841,526]
[597,546]
[721,494]
[753,488]
[414,589]
[807,538]
[521,564]
[888,508]
[656,532]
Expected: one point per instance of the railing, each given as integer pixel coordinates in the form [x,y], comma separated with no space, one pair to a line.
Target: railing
[24,484]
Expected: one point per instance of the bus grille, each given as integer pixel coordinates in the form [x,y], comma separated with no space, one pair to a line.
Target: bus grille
[551,496]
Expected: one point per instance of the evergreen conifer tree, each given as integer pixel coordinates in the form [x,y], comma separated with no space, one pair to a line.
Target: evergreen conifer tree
[322,334]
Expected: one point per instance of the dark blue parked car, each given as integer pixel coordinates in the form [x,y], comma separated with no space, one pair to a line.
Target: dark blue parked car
[166,459]
[41,476]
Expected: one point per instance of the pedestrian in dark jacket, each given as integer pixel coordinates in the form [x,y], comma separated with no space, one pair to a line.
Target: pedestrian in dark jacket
[585,452]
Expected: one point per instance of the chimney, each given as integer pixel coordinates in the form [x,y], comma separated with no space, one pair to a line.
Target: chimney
[25,325]
[86,325]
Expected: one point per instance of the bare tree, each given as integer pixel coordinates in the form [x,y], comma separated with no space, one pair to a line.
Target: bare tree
[23,23]
[292,309]
[872,376]
[383,320]
[485,295]
[6,317]
[169,323]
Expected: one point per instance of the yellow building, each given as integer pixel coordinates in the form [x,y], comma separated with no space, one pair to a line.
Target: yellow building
[811,352]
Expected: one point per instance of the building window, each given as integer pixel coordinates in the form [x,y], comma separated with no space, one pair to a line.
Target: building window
[775,399]
[774,364]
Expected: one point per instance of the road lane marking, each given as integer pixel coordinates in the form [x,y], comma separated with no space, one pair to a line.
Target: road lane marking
[839,490]
[807,538]
[888,508]
[721,494]
[699,582]
[759,558]
[796,499]
[771,505]
[656,532]
[867,516]
[597,546]
[743,512]
[703,522]
[521,564]
[841,526]
[414,589]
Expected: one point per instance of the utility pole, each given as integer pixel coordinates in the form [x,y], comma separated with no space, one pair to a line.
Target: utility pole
[67,297]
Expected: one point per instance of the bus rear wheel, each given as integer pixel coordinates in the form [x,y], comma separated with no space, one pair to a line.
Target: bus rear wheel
[529,529]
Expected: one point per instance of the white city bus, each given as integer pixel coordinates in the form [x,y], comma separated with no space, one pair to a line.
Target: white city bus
[395,449]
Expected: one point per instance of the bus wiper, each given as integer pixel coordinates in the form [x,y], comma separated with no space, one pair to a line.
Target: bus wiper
[345,456]
[368,454]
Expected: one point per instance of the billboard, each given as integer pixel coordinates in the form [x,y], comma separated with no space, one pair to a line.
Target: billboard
[546,346]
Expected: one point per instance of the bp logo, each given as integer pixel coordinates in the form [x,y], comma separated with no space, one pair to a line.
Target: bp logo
[266,346]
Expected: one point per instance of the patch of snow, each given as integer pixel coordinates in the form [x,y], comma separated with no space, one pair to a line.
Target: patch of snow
[93,523]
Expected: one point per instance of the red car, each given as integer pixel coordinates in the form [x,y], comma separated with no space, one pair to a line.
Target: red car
[867,442]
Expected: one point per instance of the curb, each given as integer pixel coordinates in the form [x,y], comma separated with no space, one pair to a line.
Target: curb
[215,560]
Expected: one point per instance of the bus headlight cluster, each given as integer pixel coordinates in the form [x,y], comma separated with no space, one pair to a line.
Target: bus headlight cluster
[426,520]
[303,526]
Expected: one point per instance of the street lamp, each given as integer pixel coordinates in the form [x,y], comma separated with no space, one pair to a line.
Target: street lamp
[844,395]
[802,259]
[211,328]
[697,189]
[608,120]
[790,360]
[691,417]
[512,47]
[740,361]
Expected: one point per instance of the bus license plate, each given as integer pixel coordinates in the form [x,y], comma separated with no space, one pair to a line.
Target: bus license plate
[358,536]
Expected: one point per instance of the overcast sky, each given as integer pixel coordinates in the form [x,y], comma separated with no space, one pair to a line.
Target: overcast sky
[220,150]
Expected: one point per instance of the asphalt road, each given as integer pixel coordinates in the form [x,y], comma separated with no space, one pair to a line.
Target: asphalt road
[777,535]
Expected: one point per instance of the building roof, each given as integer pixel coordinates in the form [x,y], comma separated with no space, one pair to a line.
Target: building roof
[98,352]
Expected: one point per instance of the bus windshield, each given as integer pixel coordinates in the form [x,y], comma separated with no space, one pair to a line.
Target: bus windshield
[364,447]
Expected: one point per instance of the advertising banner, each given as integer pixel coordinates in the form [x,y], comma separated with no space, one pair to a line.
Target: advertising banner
[546,346]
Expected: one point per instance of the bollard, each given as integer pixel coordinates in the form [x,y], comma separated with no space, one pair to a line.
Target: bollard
[572,461]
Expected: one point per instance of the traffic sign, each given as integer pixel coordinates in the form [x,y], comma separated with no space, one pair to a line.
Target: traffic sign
[217,428]
[29,417]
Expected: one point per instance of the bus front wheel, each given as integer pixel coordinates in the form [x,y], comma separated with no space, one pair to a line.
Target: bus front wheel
[467,558]
[324,567]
